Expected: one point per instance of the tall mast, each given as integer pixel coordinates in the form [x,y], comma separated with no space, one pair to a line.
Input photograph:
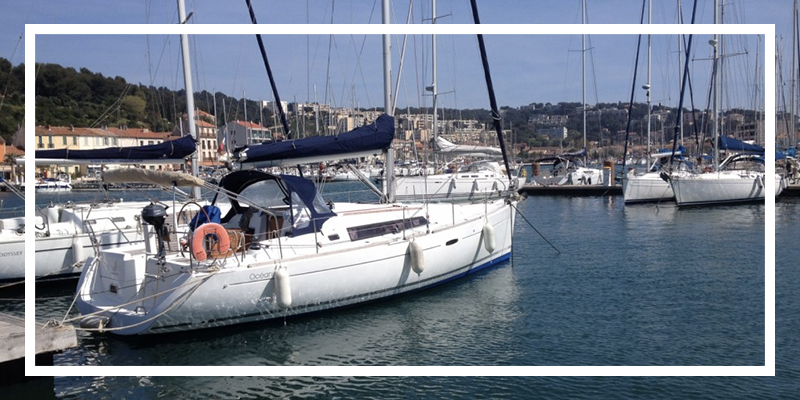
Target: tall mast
[646,86]
[434,90]
[680,62]
[187,79]
[792,127]
[583,74]
[388,168]
[715,86]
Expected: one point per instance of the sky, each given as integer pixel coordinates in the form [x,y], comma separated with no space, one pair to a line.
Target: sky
[345,70]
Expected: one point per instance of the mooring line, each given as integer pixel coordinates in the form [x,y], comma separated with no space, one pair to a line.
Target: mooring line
[534,228]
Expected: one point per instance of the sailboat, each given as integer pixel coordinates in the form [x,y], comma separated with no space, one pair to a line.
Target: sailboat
[650,186]
[66,234]
[281,250]
[739,178]
[472,180]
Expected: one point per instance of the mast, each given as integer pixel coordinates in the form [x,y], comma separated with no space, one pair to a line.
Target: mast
[388,168]
[646,86]
[187,79]
[715,87]
[583,76]
[247,134]
[434,90]
[680,63]
[792,127]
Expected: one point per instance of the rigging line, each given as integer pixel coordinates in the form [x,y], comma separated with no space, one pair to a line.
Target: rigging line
[284,122]
[11,68]
[534,228]
[633,92]
[680,98]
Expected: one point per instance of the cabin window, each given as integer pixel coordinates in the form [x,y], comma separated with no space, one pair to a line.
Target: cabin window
[383,228]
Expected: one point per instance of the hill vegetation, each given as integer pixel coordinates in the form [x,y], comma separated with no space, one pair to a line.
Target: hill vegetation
[65,96]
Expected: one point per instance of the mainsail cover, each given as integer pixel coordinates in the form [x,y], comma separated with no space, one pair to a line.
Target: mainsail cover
[169,151]
[729,143]
[360,142]
[446,147]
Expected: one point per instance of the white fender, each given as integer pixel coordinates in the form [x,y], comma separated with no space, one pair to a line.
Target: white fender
[78,254]
[283,289]
[417,258]
[488,237]
[759,182]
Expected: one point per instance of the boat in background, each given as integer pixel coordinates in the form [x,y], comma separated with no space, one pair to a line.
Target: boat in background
[568,169]
[738,179]
[651,186]
[67,234]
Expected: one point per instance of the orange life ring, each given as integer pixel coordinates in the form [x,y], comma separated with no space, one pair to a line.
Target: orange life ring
[209,228]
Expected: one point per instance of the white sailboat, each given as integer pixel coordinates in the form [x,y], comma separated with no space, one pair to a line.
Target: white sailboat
[282,251]
[483,178]
[66,234]
[727,182]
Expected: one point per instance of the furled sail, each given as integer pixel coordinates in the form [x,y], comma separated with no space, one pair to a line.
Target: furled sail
[363,141]
[729,143]
[446,147]
[169,152]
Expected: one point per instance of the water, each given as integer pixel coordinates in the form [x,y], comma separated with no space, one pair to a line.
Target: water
[632,286]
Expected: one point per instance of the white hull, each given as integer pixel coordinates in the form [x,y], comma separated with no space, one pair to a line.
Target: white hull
[780,184]
[648,187]
[718,187]
[456,186]
[325,270]
[63,245]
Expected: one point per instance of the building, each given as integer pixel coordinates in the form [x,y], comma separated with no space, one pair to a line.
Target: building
[207,136]
[241,133]
[557,132]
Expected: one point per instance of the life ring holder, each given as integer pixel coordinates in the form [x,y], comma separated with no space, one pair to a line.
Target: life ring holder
[196,247]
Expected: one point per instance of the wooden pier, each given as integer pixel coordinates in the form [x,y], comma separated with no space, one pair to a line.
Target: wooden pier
[12,345]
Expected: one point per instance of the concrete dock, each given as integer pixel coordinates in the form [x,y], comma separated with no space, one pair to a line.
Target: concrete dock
[49,340]
[596,190]
[571,190]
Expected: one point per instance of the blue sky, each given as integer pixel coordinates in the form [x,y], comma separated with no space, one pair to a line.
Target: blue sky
[526,68]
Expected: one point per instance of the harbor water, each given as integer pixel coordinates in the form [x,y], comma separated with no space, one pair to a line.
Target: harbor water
[638,285]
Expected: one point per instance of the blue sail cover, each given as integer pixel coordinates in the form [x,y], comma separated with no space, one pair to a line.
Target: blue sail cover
[359,142]
[729,143]
[169,150]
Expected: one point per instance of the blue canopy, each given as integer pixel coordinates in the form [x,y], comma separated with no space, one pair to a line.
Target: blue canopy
[729,143]
[360,142]
[169,150]
[303,191]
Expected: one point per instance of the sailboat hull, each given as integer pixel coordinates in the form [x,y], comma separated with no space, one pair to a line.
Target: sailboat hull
[717,188]
[649,187]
